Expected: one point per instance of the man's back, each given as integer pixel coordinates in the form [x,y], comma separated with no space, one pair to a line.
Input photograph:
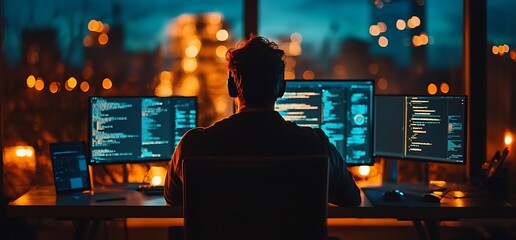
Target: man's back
[261,133]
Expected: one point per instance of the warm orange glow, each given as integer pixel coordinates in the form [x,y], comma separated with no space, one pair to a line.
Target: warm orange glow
[40,84]
[188,30]
[501,51]
[24,151]
[373,68]
[222,35]
[438,183]
[383,83]
[88,41]
[364,170]
[191,51]
[54,87]
[508,138]
[308,75]
[103,39]
[505,48]
[290,63]
[416,41]
[424,39]
[432,88]
[214,18]
[189,64]
[157,175]
[164,87]
[296,37]
[221,51]
[31,81]
[383,41]
[445,88]
[290,75]
[105,28]
[93,25]
[165,76]
[72,82]
[495,50]
[191,86]
[107,84]
[85,86]
[374,30]
[382,26]
[414,22]
[400,24]
[294,49]
[100,27]
[195,42]
[156,180]
[513,55]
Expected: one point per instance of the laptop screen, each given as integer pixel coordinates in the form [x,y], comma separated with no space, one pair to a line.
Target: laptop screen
[70,168]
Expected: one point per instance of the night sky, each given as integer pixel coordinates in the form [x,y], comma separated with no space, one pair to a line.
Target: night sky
[145,22]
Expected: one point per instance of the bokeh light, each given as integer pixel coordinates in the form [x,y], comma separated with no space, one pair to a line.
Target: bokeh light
[432,88]
[54,87]
[107,84]
[308,75]
[85,86]
[383,41]
[31,81]
[382,83]
[222,35]
[40,84]
[400,24]
[221,51]
[445,88]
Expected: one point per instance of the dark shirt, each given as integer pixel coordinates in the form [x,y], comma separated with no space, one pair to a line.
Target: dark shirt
[260,133]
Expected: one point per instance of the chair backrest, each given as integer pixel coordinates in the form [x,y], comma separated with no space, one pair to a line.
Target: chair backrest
[256,197]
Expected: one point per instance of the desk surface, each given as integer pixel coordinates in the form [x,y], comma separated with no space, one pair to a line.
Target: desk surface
[43,202]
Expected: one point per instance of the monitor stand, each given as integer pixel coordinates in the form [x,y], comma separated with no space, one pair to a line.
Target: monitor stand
[391,178]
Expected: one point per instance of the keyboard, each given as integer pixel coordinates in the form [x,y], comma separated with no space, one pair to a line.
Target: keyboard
[151,189]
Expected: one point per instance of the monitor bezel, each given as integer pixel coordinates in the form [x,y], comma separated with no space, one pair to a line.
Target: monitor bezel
[371,124]
[429,160]
[130,161]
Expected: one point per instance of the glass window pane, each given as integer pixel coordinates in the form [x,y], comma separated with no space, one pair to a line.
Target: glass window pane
[501,73]
[59,53]
[403,45]
[407,47]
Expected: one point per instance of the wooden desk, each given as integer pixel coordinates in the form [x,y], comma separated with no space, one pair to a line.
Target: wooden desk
[42,202]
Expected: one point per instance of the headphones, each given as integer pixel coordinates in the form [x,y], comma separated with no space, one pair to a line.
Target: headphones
[232,90]
[232,86]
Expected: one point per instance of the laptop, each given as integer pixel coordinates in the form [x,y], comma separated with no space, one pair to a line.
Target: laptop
[71,173]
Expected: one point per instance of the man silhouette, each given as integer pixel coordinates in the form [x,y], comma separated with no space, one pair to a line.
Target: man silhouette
[256,69]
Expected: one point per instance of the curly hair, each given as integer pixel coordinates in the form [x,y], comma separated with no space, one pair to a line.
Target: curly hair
[260,67]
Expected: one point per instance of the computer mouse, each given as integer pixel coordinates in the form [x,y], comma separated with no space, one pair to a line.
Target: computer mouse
[394,195]
[431,198]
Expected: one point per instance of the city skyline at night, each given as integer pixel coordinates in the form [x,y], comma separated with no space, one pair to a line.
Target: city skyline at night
[319,23]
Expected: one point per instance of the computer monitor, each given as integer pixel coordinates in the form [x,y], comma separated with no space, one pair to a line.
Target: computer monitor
[343,109]
[138,129]
[423,128]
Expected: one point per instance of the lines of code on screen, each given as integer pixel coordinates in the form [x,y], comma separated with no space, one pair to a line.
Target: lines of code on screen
[342,109]
[429,128]
[138,129]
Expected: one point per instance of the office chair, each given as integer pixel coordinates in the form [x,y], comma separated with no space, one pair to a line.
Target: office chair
[255,197]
